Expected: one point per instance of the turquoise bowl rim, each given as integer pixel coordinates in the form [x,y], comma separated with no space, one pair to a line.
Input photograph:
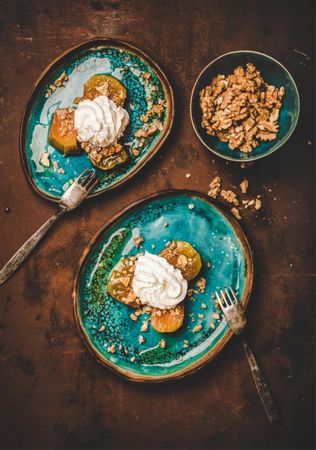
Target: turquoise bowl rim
[278,144]
[200,363]
[99,41]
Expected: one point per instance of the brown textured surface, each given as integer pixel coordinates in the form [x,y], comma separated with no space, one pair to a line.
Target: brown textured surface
[53,393]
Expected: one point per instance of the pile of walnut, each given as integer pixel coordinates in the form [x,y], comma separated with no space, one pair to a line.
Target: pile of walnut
[241,109]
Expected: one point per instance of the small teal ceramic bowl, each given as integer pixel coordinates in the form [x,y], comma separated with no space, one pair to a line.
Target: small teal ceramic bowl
[273,73]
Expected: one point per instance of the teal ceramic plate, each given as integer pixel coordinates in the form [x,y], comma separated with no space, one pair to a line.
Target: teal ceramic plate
[274,73]
[146,85]
[104,322]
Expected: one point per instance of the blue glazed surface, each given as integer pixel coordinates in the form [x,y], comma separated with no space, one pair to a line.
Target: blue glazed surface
[203,226]
[273,73]
[79,67]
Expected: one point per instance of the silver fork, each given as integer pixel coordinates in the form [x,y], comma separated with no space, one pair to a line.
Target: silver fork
[74,195]
[234,314]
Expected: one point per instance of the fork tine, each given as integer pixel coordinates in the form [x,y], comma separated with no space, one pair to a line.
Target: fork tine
[82,175]
[89,180]
[84,178]
[219,300]
[91,176]
[92,184]
[224,298]
[229,297]
[234,294]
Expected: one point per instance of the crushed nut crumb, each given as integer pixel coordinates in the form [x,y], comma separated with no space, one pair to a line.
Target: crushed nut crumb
[144,326]
[141,339]
[201,284]
[162,343]
[230,197]
[215,186]
[236,213]
[244,186]
[138,241]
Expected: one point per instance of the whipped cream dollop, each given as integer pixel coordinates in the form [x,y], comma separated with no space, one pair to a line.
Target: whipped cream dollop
[157,283]
[100,121]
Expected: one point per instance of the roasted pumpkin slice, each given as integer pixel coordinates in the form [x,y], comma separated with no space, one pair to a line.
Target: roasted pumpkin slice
[109,162]
[167,320]
[184,257]
[120,282]
[62,133]
[105,85]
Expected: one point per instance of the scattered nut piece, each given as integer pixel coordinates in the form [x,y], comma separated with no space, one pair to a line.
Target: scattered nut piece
[133,317]
[230,197]
[102,328]
[258,203]
[166,225]
[197,328]
[203,306]
[236,213]
[112,349]
[61,170]
[187,175]
[132,359]
[244,186]
[215,186]
[200,316]
[144,326]
[162,343]
[216,316]
[135,152]
[141,339]
[182,261]
[138,241]
[190,206]
[201,284]
[146,75]
[212,325]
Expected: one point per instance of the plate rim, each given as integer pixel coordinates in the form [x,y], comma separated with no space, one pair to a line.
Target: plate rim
[274,148]
[106,41]
[201,362]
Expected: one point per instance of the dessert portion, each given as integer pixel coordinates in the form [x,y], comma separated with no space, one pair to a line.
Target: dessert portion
[100,121]
[96,125]
[159,282]
[241,108]
[62,133]
[104,85]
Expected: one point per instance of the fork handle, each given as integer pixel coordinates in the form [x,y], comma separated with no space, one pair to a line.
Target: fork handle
[261,385]
[17,259]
